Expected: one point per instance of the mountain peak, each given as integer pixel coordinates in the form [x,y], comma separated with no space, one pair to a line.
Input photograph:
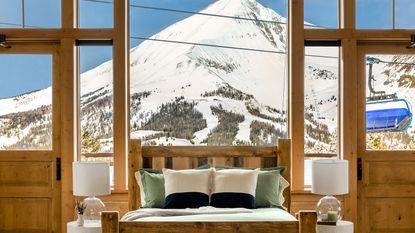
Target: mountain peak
[244,9]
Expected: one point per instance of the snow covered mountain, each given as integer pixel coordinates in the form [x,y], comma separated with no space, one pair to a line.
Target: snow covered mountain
[246,87]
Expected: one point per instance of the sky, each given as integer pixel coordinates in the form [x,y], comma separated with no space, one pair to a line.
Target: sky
[371,14]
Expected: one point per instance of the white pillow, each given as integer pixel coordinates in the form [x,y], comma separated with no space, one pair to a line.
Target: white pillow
[140,184]
[187,188]
[234,188]
[283,185]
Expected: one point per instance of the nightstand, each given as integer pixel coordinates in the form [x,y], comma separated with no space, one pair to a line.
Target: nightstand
[340,227]
[88,227]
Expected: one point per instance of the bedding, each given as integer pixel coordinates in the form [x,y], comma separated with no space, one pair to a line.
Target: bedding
[151,183]
[232,188]
[245,215]
[188,188]
[207,210]
[270,185]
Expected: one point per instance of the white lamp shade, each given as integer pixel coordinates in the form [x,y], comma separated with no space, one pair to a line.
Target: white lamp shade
[91,178]
[330,177]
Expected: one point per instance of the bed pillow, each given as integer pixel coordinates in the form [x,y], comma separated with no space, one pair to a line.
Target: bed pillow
[232,188]
[283,185]
[151,183]
[187,188]
[268,190]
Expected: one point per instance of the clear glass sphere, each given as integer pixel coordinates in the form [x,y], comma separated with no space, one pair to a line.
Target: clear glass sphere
[329,209]
[93,209]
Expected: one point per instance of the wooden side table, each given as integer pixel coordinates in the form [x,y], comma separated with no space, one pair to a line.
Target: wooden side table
[340,227]
[88,227]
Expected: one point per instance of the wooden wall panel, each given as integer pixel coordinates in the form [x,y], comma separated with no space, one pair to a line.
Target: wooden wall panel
[391,214]
[25,215]
[13,173]
[387,173]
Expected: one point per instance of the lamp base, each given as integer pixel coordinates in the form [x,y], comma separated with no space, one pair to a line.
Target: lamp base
[329,209]
[94,207]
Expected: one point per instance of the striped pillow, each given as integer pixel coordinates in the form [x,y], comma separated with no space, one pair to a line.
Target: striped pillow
[187,188]
[234,188]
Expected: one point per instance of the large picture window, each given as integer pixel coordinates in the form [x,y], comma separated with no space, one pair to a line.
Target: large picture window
[208,72]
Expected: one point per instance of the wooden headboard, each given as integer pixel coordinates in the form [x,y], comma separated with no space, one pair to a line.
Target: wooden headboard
[186,157]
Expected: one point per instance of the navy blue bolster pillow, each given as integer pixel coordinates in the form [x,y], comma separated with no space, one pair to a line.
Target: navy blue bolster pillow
[186,200]
[232,200]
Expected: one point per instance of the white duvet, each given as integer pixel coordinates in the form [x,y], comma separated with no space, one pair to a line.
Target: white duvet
[142,213]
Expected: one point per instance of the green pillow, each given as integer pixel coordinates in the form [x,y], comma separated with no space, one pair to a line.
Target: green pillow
[152,185]
[268,185]
[267,189]
[153,188]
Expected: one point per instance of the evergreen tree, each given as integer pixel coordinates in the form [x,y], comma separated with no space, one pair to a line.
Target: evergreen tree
[88,143]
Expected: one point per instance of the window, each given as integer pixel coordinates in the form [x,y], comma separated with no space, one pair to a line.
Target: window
[96,104]
[404,13]
[96,13]
[374,14]
[385,14]
[389,84]
[30,14]
[42,14]
[321,92]
[26,102]
[11,14]
[315,19]
[205,73]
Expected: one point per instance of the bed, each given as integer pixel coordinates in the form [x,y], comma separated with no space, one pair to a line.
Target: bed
[185,157]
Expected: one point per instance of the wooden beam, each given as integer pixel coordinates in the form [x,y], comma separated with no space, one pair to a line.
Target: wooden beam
[210,151]
[67,128]
[348,137]
[296,62]
[347,14]
[360,35]
[308,220]
[208,227]
[110,222]
[135,161]
[284,157]
[120,72]
[57,34]
[68,13]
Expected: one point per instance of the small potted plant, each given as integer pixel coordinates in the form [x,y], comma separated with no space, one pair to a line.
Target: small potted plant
[80,207]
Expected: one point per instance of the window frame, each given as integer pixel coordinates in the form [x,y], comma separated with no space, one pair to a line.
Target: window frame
[382,48]
[41,48]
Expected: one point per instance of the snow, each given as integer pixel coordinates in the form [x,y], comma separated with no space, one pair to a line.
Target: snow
[143,133]
[26,102]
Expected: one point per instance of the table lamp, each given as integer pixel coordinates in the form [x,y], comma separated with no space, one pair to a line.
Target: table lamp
[329,177]
[91,179]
